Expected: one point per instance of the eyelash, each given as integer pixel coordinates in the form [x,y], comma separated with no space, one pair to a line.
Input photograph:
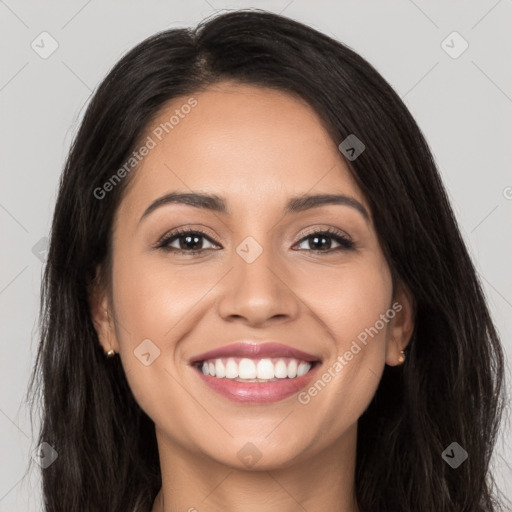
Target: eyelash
[345,243]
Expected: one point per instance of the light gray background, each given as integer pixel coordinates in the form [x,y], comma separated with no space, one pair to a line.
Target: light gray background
[463,105]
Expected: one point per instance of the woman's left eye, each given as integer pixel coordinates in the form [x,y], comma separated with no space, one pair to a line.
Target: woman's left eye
[190,242]
[319,238]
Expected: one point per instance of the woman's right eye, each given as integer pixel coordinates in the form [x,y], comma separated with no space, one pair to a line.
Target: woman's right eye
[188,242]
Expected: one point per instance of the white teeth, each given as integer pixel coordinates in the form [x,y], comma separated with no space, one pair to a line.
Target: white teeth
[292,369]
[265,369]
[303,369]
[247,369]
[231,369]
[281,371]
[255,370]
[219,369]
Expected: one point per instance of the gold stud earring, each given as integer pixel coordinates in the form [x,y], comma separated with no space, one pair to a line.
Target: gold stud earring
[401,358]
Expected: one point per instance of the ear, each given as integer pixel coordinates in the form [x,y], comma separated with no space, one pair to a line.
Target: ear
[101,313]
[401,325]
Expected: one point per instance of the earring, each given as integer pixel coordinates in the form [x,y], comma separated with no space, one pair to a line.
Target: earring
[401,358]
[111,353]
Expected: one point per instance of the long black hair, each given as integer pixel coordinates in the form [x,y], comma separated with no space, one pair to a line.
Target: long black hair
[450,388]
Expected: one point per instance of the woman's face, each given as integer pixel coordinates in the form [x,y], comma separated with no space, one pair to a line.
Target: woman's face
[263,273]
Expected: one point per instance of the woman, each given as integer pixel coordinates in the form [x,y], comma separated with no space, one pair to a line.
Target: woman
[257,296]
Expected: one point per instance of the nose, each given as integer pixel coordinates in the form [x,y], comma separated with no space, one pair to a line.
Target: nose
[259,292]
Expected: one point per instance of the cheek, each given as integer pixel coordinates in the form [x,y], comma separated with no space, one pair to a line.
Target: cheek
[148,305]
[155,301]
[351,307]
[152,297]
[349,300]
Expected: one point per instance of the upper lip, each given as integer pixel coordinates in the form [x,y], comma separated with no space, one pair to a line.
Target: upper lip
[255,350]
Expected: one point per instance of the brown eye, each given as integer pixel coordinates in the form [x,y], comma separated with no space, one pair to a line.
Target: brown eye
[321,241]
[188,241]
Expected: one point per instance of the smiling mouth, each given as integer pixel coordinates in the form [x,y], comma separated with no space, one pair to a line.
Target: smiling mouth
[244,369]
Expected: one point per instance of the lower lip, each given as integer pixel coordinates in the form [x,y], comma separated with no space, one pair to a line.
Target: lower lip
[257,392]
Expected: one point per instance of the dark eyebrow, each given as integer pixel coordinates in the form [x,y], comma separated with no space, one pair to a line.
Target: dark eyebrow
[210,202]
[215,203]
[301,203]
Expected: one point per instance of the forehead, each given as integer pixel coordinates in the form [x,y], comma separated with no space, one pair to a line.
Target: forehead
[246,143]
